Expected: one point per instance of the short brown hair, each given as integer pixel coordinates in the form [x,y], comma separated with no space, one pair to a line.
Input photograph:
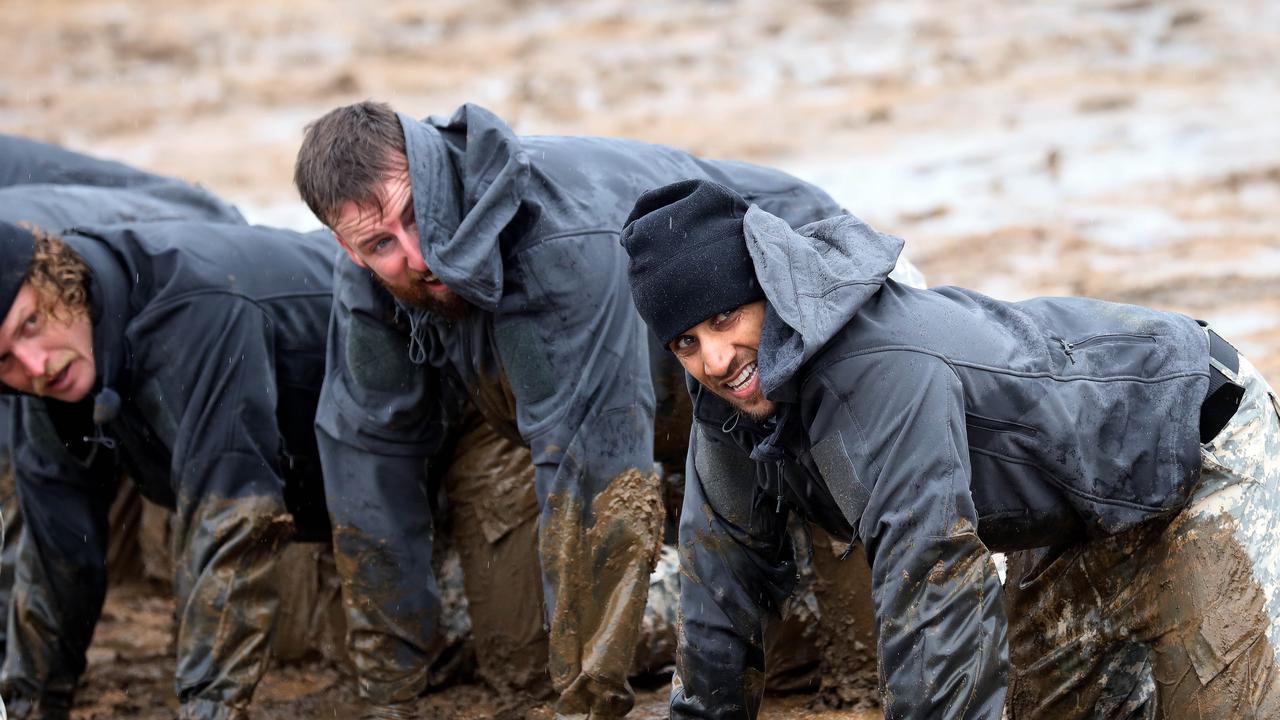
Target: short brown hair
[59,276]
[345,156]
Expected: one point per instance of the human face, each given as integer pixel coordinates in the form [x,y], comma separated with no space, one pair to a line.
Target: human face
[385,241]
[45,355]
[720,352]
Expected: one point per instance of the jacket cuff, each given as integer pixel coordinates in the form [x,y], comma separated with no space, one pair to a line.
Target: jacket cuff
[201,709]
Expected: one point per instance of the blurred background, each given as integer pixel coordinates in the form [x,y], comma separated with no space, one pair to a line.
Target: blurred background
[1123,149]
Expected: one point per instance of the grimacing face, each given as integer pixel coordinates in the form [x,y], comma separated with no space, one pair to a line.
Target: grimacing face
[44,354]
[720,352]
[385,241]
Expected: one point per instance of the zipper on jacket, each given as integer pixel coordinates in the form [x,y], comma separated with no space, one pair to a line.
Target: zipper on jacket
[848,548]
[1068,348]
[778,509]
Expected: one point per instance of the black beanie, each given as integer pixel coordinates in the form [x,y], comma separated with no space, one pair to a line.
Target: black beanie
[689,259]
[17,248]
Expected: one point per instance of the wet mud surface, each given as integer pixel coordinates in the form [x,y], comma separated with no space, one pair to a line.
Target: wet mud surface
[130,675]
[1124,149]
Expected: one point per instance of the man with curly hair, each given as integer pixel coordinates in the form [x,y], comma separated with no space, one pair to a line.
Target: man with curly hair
[188,354]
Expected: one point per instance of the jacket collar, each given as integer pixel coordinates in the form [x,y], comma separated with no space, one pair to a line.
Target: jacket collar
[109,311]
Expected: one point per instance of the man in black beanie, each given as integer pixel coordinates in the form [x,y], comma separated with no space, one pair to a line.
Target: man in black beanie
[1133,453]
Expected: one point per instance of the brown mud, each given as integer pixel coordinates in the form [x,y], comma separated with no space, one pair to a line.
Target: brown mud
[1125,149]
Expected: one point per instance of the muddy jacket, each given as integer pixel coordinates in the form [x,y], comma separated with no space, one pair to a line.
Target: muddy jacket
[936,426]
[211,337]
[553,353]
[53,189]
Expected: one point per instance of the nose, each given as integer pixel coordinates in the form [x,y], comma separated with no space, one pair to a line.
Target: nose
[717,357]
[31,357]
[412,251]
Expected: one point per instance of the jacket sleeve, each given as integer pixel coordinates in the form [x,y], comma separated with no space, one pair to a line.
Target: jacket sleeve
[736,568]
[576,356]
[380,419]
[888,430]
[218,403]
[61,573]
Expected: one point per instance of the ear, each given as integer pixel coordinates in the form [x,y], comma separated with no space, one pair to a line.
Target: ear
[351,252]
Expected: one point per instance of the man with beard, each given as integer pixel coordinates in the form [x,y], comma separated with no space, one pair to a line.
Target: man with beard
[1135,450]
[485,272]
[188,354]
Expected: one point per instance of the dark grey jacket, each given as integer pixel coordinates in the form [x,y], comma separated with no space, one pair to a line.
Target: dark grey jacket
[525,229]
[935,426]
[54,188]
[212,335]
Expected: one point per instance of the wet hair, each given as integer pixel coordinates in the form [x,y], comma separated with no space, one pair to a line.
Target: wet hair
[60,278]
[346,155]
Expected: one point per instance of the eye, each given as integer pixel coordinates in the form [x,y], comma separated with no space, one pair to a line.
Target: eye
[31,323]
[380,244]
[409,220]
[682,344]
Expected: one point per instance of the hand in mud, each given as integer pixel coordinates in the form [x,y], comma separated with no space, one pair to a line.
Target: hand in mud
[396,711]
[50,707]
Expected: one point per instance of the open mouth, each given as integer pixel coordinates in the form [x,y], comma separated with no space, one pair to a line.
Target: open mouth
[58,381]
[430,280]
[744,382]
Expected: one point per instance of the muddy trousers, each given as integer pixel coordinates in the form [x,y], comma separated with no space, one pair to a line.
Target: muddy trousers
[489,485]
[1172,618]
[494,509]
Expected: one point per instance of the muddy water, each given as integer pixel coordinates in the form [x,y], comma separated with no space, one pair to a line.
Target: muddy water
[1126,149]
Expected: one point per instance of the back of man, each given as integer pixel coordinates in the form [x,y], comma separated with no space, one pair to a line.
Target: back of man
[207,350]
[524,232]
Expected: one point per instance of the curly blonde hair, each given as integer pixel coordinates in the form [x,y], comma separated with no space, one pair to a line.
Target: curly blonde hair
[60,278]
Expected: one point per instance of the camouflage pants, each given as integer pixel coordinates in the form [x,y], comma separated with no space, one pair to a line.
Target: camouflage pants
[1172,619]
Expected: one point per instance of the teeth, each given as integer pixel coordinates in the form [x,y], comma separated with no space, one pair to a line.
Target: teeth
[429,278]
[743,376]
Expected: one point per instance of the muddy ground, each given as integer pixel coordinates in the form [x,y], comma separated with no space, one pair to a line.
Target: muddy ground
[1124,149]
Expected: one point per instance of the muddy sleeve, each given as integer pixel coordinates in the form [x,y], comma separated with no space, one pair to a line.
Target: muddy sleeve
[230,515]
[380,419]
[577,360]
[61,573]
[736,567]
[895,452]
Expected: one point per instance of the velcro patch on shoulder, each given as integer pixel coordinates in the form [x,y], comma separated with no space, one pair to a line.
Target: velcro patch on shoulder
[728,477]
[377,356]
[525,361]
[833,461]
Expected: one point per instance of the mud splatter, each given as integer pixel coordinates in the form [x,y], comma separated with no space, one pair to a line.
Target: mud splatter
[601,578]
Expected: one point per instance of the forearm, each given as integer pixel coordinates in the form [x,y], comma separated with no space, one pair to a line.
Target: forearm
[732,583]
[59,586]
[383,544]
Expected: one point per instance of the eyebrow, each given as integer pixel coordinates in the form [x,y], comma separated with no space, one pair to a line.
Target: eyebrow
[405,209]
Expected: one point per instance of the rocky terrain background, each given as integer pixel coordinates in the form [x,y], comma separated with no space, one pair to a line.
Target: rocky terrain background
[1124,149]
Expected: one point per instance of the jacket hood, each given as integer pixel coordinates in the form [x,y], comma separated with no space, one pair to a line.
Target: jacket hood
[469,174]
[815,278]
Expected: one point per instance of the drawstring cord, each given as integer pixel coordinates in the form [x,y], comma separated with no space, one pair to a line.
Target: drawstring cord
[417,327]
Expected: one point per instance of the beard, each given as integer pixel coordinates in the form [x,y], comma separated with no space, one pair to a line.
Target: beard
[445,303]
[755,406]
